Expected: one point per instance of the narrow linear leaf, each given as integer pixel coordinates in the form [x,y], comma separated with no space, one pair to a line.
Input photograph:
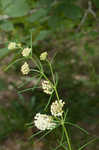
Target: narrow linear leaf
[77,127]
[48,132]
[35,134]
[35,87]
[91,141]
[49,100]
[12,63]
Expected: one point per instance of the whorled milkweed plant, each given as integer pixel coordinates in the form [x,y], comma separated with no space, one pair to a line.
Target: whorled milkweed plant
[58,118]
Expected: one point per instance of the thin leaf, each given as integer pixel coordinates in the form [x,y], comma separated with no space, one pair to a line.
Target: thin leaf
[65,114]
[44,135]
[13,63]
[83,146]
[35,134]
[65,147]
[27,124]
[48,102]
[31,43]
[77,127]
[48,133]
[25,90]
[25,82]
[31,88]
[60,145]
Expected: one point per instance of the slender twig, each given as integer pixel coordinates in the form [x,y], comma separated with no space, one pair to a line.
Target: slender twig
[88,11]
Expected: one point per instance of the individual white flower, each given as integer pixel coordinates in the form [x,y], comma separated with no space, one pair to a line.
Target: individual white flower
[56,108]
[44,122]
[12,45]
[43,56]
[26,52]
[25,68]
[46,86]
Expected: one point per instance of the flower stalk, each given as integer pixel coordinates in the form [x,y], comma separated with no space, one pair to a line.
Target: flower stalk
[58,116]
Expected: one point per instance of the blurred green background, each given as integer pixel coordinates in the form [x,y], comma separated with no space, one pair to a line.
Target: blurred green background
[68,29]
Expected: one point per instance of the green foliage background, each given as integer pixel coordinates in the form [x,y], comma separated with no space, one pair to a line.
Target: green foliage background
[53,26]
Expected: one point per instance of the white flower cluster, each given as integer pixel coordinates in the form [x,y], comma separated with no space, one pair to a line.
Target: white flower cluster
[56,108]
[46,86]
[43,56]
[44,122]
[26,52]
[25,68]
[11,45]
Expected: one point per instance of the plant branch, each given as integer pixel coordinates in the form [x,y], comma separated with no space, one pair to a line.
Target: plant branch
[88,11]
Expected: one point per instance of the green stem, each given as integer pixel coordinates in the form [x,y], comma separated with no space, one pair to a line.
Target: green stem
[56,92]
[51,71]
[65,131]
[67,137]
[31,44]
